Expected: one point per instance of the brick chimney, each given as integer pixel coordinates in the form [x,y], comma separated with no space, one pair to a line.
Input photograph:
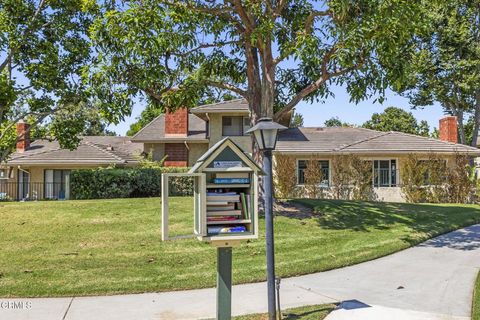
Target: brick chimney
[23,134]
[448,130]
[176,123]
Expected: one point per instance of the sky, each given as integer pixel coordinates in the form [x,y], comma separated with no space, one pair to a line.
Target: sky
[315,114]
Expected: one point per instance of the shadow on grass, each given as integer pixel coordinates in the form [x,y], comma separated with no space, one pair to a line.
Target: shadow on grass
[424,219]
[307,314]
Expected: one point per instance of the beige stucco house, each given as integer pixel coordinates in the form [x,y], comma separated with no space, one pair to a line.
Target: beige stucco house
[40,170]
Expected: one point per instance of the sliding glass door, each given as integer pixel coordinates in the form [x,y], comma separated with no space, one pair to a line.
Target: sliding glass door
[57,184]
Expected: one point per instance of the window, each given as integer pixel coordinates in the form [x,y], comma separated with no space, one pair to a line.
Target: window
[57,184]
[435,171]
[324,165]
[235,126]
[384,173]
[23,184]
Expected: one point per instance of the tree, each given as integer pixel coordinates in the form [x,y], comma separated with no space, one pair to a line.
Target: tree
[297,120]
[273,53]
[396,119]
[336,122]
[44,47]
[445,65]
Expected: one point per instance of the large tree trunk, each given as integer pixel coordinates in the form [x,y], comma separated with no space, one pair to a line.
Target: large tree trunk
[476,118]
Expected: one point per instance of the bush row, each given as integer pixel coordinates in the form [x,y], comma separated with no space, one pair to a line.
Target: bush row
[108,183]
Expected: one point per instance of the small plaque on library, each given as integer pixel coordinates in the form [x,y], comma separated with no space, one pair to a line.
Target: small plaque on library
[227,164]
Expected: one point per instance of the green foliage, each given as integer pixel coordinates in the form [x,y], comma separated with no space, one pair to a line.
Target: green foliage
[336,122]
[297,120]
[341,177]
[361,177]
[285,181]
[460,186]
[107,183]
[413,179]
[44,46]
[396,119]
[444,67]
[437,181]
[313,176]
[175,52]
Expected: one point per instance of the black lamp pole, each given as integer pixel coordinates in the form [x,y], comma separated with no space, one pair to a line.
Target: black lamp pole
[265,132]
[268,181]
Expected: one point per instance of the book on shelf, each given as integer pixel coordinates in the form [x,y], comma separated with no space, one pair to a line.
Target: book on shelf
[240,175]
[223,198]
[224,213]
[221,208]
[214,193]
[221,218]
[244,206]
[231,180]
[226,229]
[249,202]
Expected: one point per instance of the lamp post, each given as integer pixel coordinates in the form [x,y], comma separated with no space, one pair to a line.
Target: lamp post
[266,133]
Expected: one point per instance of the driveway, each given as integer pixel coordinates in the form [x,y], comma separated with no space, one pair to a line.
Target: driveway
[433,280]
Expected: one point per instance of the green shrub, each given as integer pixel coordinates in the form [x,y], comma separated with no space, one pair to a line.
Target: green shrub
[108,183]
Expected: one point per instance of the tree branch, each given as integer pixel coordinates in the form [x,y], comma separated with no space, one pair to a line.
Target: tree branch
[209,45]
[316,85]
[226,86]
[311,18]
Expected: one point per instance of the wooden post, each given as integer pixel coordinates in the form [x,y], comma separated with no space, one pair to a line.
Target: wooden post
[224,283]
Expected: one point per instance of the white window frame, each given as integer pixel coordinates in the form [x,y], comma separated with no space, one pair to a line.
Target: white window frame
[397,182]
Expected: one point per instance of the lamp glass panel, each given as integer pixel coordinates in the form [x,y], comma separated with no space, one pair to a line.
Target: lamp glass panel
[258,137]
[270,137]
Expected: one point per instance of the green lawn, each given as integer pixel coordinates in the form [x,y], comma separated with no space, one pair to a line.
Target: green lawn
[315,312]
[113,246]
[476,300]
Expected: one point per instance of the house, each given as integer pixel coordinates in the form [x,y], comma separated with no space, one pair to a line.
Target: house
[387,152]
[40,170]
[184,136]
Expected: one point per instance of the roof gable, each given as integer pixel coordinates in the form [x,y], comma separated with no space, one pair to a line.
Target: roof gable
[235,105]
[225,149]
[155,130]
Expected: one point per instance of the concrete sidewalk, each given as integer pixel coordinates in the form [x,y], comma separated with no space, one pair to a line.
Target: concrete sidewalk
[431,281]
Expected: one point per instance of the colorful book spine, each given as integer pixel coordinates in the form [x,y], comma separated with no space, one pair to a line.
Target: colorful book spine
[223,229]
[246,214]
[231,180]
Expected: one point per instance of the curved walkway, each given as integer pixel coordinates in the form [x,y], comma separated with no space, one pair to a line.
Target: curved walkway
[433,280]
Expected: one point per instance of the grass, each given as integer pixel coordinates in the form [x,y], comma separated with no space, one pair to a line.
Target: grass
[476,299]
[96,247]
[315,312]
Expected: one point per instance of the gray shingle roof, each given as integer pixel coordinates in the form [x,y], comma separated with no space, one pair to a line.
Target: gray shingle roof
[359,140]
[155,131]
[236,105]
[95,150]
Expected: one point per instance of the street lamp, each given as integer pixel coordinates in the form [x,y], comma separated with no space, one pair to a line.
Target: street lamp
[266,133]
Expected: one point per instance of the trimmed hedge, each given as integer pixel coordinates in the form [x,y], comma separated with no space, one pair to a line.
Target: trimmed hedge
[108,183]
